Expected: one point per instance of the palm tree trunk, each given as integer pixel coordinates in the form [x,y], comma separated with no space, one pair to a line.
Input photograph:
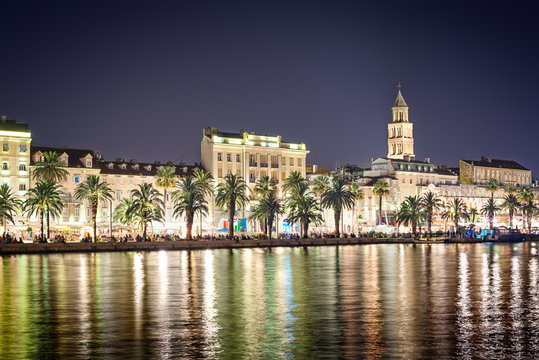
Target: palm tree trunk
[144,224]
[165,204]
[305,230]
[529,224]
[380,215]
[189,224]
[5,224]
[414,227]
[94,220]
[42,222]
[48,224]
[231,213]
[337,216]
[270,225]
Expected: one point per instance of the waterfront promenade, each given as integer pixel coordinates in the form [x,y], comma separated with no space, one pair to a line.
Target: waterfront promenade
[6,249]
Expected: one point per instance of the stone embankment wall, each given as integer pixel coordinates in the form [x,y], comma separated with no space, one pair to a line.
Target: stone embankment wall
[6,249]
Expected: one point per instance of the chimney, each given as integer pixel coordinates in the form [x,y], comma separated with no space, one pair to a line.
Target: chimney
[427,160]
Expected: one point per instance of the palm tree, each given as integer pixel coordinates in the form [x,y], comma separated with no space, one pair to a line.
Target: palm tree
[231,194]
[44,197]
[490,209]
[166,179]
[123,213]
[337,197]
[189,199]
[147,205]
[380,189]
[93,190]
[9,205]
[303,208]
[510,202]
[357,194]
[267,209]
[291,183]
[50,169]
[493,185]
[472,214]
[410,212]
[263,187]
[431,203]
[526,197]
[531,211]
[205,180]
[510,188]
[455,212]
[320,185]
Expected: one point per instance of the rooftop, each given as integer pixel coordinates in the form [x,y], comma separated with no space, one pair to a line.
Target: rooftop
[496,163]
[13,125]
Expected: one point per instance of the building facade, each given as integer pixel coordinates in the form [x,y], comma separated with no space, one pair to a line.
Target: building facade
[250,156]
[15,155]
[505,171]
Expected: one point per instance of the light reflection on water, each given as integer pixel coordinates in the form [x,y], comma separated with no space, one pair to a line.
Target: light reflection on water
[372,301]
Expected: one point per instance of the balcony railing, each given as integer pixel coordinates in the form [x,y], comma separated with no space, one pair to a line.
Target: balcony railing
[263,164]
[274,166]
[253,163]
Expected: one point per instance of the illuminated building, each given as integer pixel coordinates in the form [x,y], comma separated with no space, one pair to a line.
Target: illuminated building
[505,171]
[250,156]
[15,155]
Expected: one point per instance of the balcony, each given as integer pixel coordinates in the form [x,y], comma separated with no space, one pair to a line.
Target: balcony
[253,163]
[274,166]
[264,165]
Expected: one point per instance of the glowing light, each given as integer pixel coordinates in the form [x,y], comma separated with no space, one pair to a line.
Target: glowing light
[15,134]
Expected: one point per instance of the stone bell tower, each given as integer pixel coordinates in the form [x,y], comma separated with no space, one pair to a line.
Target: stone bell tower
[400,132]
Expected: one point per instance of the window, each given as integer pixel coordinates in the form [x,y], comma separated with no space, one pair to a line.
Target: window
[117,181]
[23,148]
[220,173]
[131,181]
[104,212]
[228,157]
[22,166]
[5,165]
[22,187]
[76,179]
[88,162]
[143,181]
[77,212]
[104,180]
[87,212]
[299,162]
[118,195]
[237,157]
[219,157]
[283,161]
[5,147]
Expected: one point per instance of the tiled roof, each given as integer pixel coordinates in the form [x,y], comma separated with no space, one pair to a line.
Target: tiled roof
[496,163]
[74,155]
[322,171]
[141,169]
[116,167]
[13,125]
[442,171]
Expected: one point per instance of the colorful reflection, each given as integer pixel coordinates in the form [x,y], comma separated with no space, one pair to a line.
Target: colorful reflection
[374,301]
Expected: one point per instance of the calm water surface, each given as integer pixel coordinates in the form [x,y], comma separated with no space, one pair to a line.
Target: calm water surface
[372,301]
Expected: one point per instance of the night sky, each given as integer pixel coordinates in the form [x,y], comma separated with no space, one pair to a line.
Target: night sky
[141,80]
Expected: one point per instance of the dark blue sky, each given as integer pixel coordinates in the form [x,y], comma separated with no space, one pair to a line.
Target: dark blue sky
[141,80]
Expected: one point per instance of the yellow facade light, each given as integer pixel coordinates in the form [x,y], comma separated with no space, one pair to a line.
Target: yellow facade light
[15,134]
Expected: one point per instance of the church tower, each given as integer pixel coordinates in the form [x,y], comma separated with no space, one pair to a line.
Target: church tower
[400,132]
